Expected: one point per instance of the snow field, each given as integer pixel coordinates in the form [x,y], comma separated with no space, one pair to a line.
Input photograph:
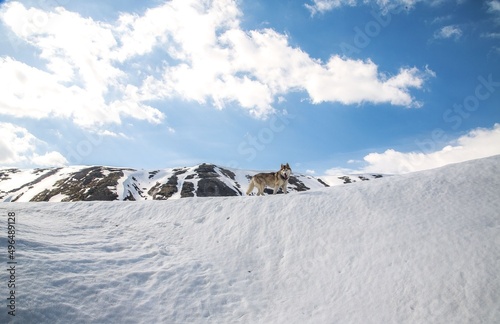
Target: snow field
[418,248]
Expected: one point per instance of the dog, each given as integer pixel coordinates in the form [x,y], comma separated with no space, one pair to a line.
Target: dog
[271,179]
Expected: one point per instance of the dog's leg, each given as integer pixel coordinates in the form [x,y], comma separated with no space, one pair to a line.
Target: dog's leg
[262,188]
[283,187]
[250,187]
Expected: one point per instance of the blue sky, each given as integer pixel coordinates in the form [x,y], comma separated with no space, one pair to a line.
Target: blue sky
[329,86]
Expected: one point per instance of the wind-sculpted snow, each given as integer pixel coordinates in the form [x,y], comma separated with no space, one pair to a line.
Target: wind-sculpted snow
[417,248]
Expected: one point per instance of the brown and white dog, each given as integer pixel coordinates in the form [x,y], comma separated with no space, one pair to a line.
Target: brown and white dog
[274,180]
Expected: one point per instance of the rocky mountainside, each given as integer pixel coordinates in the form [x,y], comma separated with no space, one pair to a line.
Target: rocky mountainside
[89,183]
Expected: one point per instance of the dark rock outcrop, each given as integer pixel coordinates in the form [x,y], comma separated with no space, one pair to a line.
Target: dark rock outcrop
[187,189]
[164,191]
[88,184]
[300,186]
[210,185]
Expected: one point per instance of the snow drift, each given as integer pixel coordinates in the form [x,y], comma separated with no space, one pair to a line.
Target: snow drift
[417,248]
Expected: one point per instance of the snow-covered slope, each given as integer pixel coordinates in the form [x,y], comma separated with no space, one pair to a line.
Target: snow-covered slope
[417,248]
[90,183]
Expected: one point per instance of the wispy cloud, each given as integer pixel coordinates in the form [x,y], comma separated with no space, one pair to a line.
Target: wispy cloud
[490,35]
[494,9]
[450,31]
[323,6]
[113,134]
[494,6]
[441,19]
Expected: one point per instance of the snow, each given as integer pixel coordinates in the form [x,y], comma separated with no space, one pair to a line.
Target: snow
[416,248]
[23,185]
[58,197]
[339,179]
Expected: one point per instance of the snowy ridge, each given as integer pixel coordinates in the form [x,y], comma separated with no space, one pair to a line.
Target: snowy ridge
[417,248]
[88,183]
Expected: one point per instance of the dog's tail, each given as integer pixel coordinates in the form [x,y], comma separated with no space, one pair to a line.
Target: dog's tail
[250,187]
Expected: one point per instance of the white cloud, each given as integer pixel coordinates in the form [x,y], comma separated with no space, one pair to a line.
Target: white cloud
[451,31]
[37,94]
[476,144]
[49,159]
[256,68]
[79,73]
[190,30]
[20,147]
[354,81]
[76,49]
[194,50]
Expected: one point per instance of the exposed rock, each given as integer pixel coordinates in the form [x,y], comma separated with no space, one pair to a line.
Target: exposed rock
[228,173]
[37,180]
[5,174]
[88,184]
[187,189]
[213,187]
[300,186]
[137,189]
[129,197]
[153,173]
[270,191]
[206,171]
[346,179]
[209,184]
[42,196]
[322,182]
[164,191]
[179,171]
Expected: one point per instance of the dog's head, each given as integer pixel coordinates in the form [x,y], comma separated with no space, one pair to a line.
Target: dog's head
[285,171]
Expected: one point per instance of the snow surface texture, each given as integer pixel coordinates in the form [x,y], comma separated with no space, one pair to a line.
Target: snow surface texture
[416,248]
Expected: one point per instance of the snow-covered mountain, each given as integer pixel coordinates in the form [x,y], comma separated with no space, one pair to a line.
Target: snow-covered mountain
[88,183]
[415,248]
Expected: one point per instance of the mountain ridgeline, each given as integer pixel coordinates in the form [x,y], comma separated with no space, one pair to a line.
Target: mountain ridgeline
[90,183]
[102,183]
